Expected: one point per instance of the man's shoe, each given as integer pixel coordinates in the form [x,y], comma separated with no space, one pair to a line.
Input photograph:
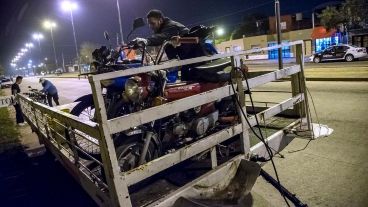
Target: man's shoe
[21,124]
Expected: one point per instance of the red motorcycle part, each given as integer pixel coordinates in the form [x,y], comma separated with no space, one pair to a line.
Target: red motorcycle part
[175,93]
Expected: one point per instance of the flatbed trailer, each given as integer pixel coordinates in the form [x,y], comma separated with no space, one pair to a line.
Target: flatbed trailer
[233,179]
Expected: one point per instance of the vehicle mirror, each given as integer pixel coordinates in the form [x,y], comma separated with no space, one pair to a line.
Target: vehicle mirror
[106,35]
[138,22]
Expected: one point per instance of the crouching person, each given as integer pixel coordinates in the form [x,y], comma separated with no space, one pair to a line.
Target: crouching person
[50,90]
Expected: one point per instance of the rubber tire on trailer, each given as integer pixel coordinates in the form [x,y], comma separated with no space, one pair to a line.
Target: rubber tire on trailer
[85,102]
[125,149]
[349,58]
[316,59]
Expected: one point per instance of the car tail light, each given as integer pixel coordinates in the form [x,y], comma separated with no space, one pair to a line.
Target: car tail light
[360,50]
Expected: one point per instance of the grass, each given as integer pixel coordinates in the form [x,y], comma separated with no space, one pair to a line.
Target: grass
[9,134]
[332,71]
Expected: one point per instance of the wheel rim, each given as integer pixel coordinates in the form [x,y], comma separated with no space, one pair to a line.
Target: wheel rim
[84,141]
[129,158]
[349,58]
[316,60]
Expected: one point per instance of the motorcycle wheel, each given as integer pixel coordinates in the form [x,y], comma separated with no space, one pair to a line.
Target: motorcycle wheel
[128,153]
[85,109]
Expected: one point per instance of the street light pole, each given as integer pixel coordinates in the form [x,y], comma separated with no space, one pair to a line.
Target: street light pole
[50,25]
[278,29]
[70,6]
[75,39]
[120,24]
[53,45]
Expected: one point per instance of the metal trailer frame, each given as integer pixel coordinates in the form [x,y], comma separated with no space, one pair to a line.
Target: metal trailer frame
[52,125]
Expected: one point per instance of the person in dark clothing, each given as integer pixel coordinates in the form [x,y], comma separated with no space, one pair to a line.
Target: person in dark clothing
[50,90]
[18,110]
[163,28]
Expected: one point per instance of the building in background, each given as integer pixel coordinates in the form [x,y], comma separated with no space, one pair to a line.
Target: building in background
[293,28]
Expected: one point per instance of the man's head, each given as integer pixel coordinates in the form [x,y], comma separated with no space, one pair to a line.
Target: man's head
[155,19]
[42,80]
[19,79]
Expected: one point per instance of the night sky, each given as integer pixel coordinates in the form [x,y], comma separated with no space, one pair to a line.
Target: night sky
[19,19]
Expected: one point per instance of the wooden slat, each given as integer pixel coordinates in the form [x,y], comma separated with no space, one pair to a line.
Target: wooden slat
[176,63]
[120,124]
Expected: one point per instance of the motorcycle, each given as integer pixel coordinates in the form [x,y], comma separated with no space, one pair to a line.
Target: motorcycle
[149,141]
[37,95]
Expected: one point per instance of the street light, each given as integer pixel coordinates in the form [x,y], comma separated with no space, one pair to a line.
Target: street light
[38,36]
[220,31]
[50,25]
[69,7]
[29,45]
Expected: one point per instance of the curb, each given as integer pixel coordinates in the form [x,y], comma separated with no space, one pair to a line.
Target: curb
[307,78]
[338,79]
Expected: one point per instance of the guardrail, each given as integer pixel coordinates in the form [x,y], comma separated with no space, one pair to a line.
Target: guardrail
[60,131]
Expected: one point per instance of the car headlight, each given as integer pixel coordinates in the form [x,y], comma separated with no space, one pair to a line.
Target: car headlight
[133,89]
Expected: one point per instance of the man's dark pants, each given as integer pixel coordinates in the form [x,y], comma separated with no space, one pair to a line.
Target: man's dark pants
[18,114]
[55,97]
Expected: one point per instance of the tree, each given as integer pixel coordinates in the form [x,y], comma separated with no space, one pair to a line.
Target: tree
[252,24]
[352,13]
[86,52]
[356,13]
[331,17]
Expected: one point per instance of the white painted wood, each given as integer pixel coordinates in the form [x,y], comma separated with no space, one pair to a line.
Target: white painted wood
[118,188]
[175,63]
[120,124]
[220,177]
[88,127]
[277,141]
[166,161]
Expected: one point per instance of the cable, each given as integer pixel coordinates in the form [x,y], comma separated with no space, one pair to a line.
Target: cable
[250,126]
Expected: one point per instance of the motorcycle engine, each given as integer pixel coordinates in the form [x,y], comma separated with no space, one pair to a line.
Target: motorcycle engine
[201,125]
[190,122]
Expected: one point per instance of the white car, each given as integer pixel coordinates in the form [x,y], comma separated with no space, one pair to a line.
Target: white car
[339,52]
[6,83]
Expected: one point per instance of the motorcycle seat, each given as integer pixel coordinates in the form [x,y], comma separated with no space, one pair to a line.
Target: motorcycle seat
[212,72]
[216,65]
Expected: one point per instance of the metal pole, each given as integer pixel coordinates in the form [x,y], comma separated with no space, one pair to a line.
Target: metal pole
[121,27]
[313,20]
[39,44]
[75,39]
[53,45]
[62,57]
[278,29]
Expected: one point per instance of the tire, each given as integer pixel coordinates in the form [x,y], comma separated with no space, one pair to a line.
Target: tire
[128,153]
[349,58]
[85,109]
[316,59]
[117,109]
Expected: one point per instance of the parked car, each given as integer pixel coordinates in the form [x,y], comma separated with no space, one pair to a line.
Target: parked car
[59,71]
[339,52]
[6,83]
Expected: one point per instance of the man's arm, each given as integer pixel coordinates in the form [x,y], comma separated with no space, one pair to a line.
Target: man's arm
[46,87]
[166,34]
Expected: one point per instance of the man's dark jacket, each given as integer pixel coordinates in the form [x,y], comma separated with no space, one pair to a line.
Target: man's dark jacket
[168,29]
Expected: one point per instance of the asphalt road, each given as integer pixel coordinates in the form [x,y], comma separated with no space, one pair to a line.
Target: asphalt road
[69,89]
